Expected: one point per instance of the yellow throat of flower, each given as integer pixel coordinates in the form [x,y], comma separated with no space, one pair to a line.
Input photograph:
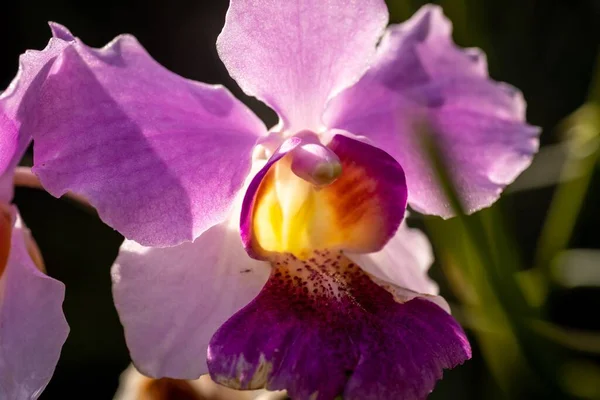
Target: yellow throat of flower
[294,216]
[286,214]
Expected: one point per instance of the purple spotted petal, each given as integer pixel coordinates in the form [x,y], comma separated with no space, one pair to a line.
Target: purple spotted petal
[295,55]
[171,300]
[32,325]
[403,262]
[419,76]
[159,156]
[321,329]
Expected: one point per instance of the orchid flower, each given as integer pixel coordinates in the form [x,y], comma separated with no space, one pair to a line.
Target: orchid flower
[33,328]
[327,292]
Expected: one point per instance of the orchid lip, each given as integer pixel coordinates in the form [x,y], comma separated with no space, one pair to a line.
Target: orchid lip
[369,338]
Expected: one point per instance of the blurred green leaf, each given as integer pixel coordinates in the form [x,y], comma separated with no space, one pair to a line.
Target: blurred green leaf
[582,130]
[577,267]
[573,339]
[581,378]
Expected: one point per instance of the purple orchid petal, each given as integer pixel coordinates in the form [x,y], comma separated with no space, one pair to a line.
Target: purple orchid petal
[161,157]
[421,75]
[32,325]
[20,94]
[295,55]
[359,212]
[7,186]
[322,328]
[9,155]
[171,300]
[404,261]
[33,68]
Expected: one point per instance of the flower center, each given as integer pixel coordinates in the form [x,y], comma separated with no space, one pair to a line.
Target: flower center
[343,196]
[286,212]
[290,209]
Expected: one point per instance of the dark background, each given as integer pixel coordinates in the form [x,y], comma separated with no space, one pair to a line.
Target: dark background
[547,48]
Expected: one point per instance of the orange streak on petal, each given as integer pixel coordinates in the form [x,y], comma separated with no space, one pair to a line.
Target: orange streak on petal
[355,207]
[291,215]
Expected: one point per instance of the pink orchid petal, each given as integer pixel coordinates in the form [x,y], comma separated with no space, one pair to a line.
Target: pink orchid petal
[171,300]
[33,67]
[9,155]
[420,75]
[159,156]
[296,54]
[32,325]
[7,186]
